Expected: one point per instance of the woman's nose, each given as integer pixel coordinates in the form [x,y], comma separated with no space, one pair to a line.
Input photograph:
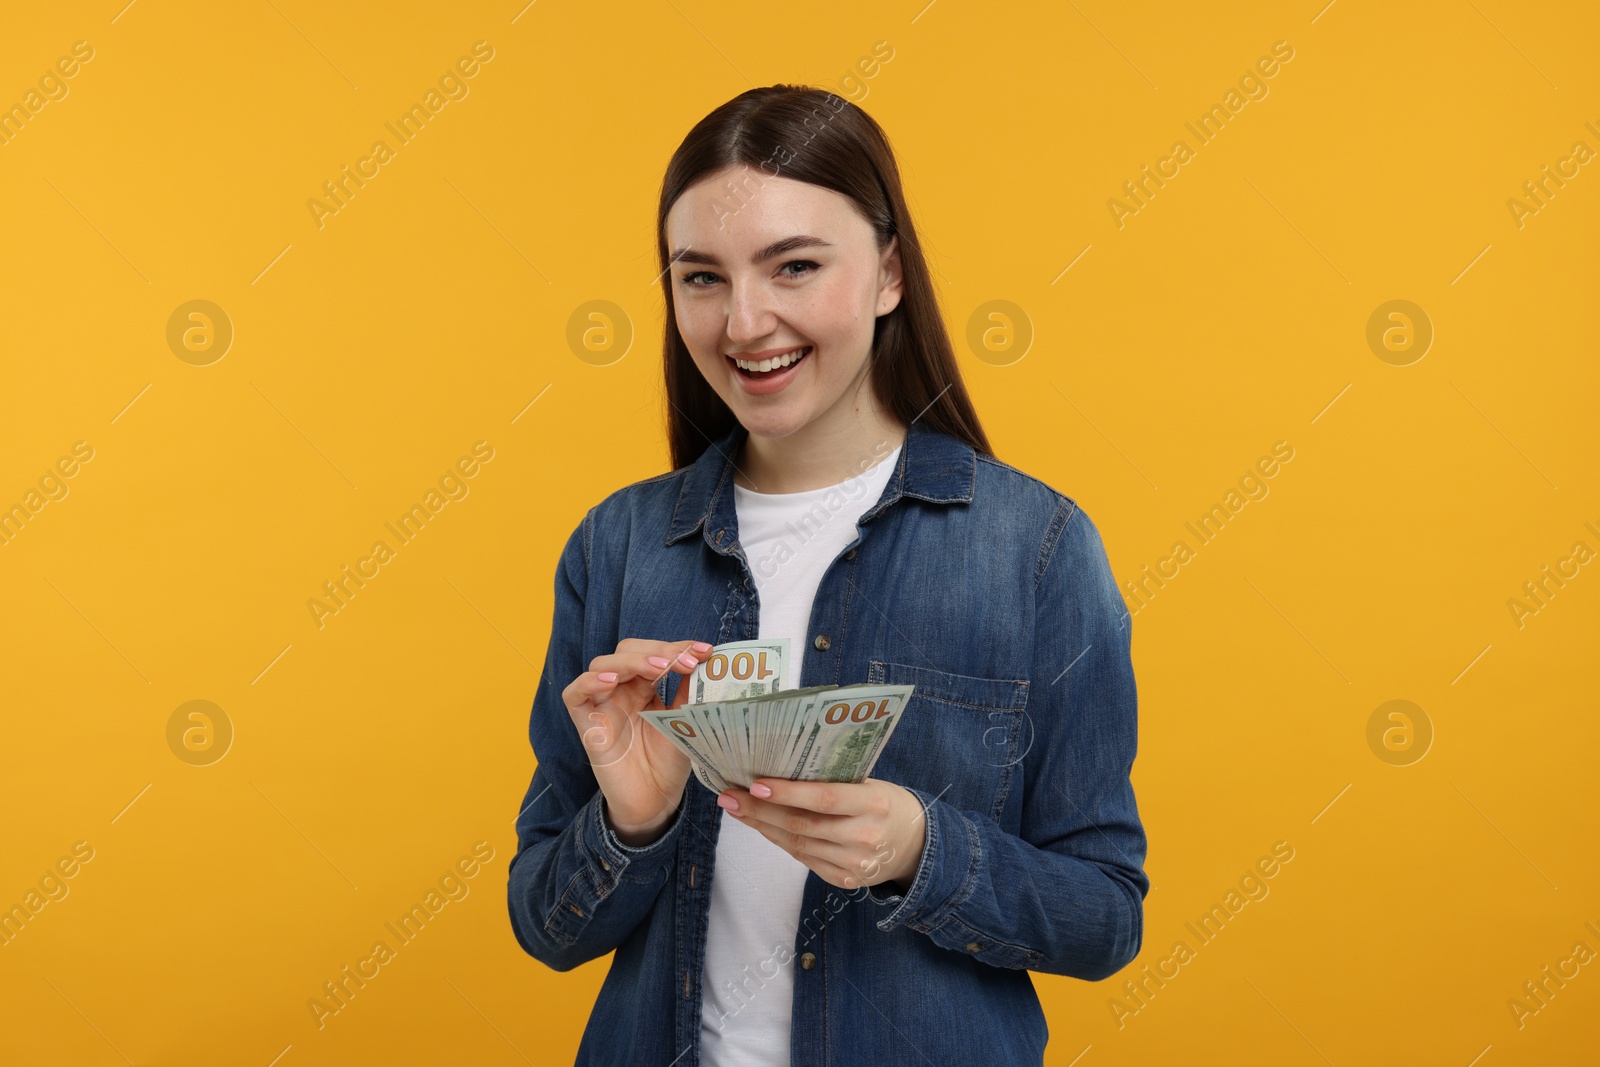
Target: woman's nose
[750,315]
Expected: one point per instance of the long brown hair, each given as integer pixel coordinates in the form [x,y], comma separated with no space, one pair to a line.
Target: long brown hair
[913,364]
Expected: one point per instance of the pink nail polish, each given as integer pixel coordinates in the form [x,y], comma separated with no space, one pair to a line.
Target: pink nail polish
[657,661]
[760,790]
[725,801]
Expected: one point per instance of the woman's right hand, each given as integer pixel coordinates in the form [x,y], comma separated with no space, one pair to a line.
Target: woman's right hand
[641,773]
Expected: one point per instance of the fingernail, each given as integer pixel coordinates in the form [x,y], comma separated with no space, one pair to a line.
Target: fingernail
[687,659]
[759,790]
[700,646]
[657,661]
[725,801]
[607,676]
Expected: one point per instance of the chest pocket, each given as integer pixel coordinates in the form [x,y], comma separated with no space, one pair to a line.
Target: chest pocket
[961,739]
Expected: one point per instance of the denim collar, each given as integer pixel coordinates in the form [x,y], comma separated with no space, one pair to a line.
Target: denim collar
[932,466]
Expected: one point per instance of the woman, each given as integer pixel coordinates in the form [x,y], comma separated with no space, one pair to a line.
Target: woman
[832,485]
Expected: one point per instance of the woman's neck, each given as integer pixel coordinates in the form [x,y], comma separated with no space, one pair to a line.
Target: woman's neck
[817,456]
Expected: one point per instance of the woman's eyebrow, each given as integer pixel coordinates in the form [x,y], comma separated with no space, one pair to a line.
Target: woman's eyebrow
[776,248]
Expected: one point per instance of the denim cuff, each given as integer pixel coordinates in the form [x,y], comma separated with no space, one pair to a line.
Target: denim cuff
[614,859]
[950,855]
[605,864]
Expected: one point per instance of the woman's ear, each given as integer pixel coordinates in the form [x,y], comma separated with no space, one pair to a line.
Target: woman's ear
[891,279]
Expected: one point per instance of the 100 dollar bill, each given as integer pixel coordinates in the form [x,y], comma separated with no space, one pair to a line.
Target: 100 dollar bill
[741,669]
[845,730]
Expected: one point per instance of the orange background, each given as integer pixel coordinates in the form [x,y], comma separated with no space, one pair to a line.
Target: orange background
[371,754]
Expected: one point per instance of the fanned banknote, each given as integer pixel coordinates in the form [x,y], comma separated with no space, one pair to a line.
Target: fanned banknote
[742,722]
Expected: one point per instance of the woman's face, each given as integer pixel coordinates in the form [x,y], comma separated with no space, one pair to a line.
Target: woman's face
[737,291]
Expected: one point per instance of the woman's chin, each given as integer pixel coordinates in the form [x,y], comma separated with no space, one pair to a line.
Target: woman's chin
[770,423]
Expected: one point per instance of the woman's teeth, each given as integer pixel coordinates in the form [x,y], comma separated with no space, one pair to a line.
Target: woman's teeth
[775,362]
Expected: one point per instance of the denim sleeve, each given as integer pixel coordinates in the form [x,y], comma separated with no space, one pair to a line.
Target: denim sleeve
[1066,896]
[575,890]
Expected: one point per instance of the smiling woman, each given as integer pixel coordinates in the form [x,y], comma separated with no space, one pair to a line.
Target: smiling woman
[808,271]
[813,387]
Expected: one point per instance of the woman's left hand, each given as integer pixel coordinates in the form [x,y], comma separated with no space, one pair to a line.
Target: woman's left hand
[851,834]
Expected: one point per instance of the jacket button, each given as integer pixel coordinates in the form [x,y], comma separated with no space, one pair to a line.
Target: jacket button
[808,960]
[822,643]
[850,554]
[973,946]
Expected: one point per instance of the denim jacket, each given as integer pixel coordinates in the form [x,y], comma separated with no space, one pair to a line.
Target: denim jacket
[991,593]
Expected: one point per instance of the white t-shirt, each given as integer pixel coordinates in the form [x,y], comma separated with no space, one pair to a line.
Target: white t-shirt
[789,539]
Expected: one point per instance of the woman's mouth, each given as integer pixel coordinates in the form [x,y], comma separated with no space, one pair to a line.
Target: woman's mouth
[776,373]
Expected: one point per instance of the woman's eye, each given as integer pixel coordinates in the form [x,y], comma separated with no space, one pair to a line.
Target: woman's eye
[801,263]
[689,279]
